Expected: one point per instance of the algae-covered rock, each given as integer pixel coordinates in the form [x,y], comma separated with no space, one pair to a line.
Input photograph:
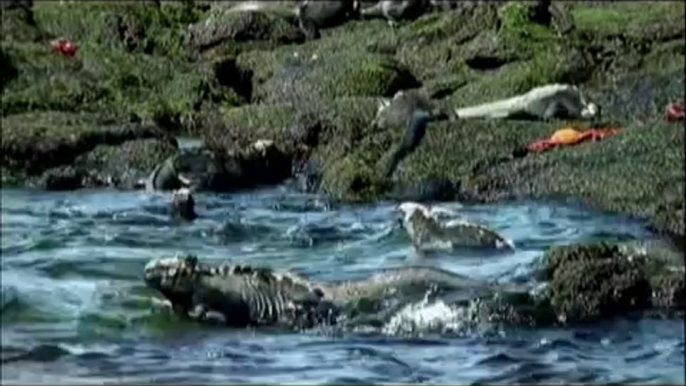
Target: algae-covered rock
[588,282]
[130,62]
[489,161]
[117,166]
[334,75]
[232,28]
[124,165]
[35,142]
[222,170]
[18,21]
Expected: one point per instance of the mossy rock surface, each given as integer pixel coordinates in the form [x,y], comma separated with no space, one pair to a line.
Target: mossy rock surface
[227,31]
[334,75]
[131,61]
[125,165]
[34,142]
[592,281]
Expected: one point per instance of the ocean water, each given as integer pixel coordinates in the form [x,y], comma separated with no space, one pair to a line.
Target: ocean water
[75,308]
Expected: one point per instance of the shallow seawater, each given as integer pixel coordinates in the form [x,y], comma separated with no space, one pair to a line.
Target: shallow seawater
[75,308]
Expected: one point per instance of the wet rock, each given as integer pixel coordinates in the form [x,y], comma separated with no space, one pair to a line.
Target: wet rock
[589,282]
[116,166]
[36,142]
[62,178]
[224,170]
[63,151]
[515,308]
[427,190]
[124,165]
[481,155]
[545,13]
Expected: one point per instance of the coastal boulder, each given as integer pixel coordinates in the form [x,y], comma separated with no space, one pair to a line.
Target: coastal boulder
[124,165]
[35,142]
[594,281]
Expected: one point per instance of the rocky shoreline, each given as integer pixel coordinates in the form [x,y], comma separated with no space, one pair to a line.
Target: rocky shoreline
[146,73]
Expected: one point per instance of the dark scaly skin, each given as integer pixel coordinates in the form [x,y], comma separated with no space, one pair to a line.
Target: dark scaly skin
[427,230]
[239,295]
[236,295]
[415,132]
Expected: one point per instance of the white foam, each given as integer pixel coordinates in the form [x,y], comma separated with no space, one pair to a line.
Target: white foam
[429,317]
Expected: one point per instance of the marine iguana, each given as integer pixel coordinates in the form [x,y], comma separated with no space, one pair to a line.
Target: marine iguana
[183,204]
[545,102]
[424,226]
[241,295]
[414,133]
[413,110]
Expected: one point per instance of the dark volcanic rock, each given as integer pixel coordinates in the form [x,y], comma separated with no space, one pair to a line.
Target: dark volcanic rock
[35,142]
[80,150]
[589,282]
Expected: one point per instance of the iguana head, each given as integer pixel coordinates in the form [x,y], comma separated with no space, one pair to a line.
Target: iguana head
[243,293]
[174,277]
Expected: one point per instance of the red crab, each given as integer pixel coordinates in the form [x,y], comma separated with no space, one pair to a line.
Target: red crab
[675,111]
[569,136]
[64,46]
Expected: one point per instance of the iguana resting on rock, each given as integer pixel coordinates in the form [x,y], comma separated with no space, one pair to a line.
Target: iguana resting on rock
[240,295]
[424,226]
[546,102]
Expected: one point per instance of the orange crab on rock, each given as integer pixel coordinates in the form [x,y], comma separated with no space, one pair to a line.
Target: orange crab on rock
[569,136]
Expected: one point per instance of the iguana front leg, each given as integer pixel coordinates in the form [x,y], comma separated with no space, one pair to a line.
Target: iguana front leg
[201,313]
[198,312]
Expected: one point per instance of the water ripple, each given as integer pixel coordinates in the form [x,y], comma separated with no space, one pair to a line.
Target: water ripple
[75,309]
